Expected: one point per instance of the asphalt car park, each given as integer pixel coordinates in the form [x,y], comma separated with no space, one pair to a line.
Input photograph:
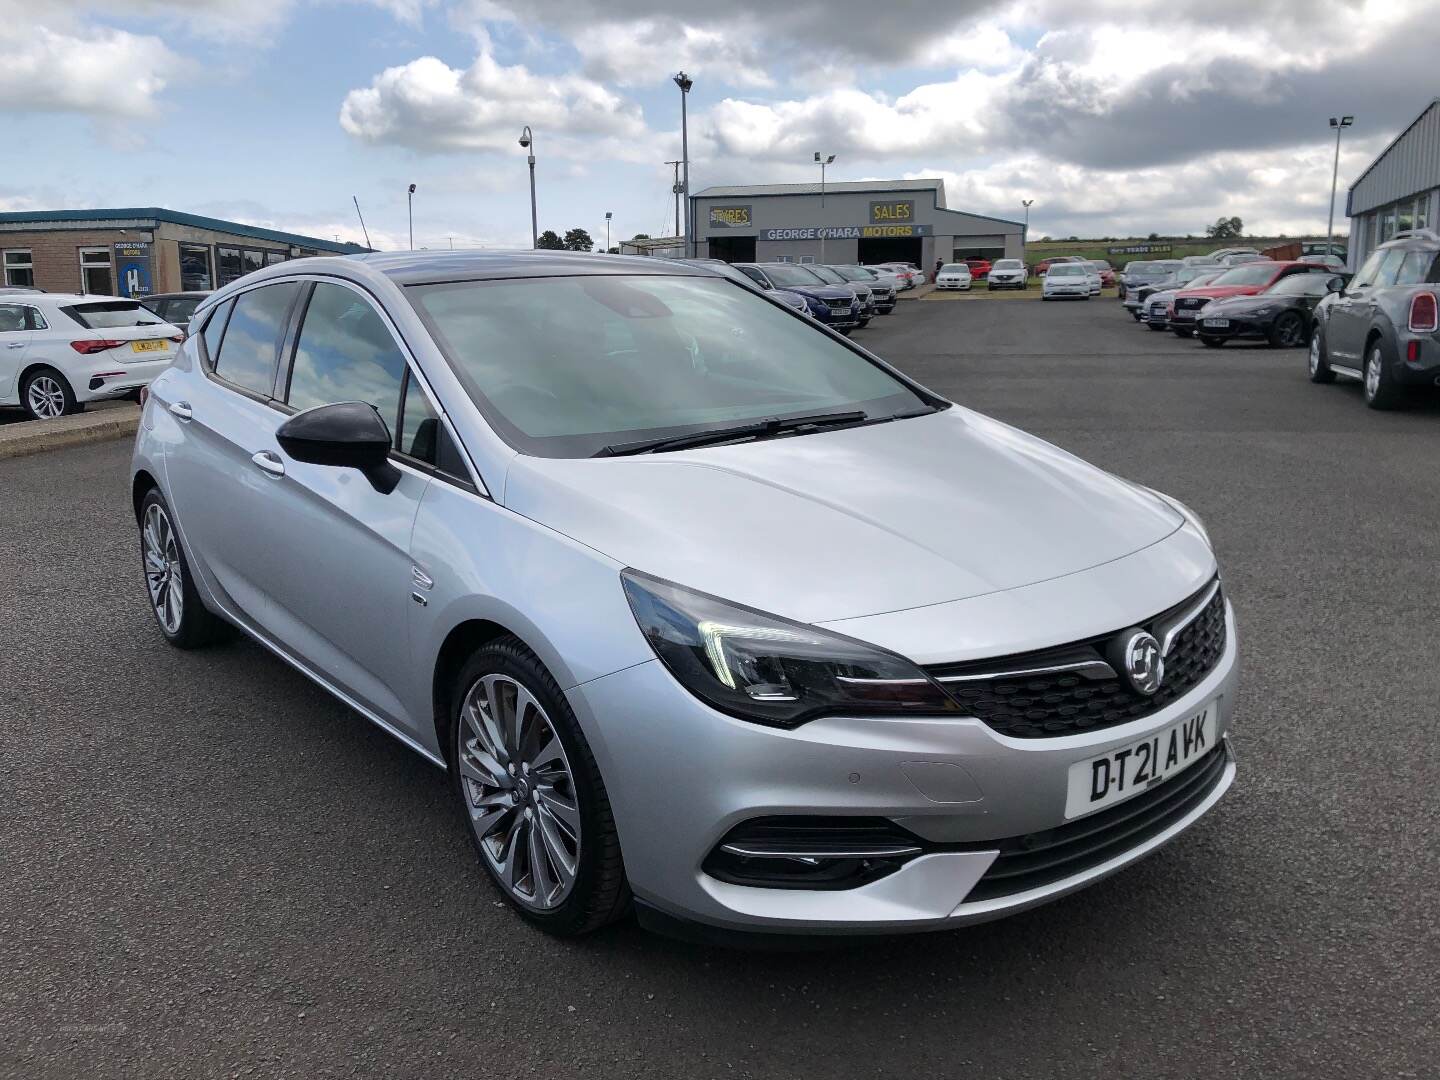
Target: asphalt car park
[212,867]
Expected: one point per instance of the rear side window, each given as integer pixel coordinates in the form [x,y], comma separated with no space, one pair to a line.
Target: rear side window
[111,314]
[12,318]
[1415,268]
[215,330]
[346,353]
[252,337]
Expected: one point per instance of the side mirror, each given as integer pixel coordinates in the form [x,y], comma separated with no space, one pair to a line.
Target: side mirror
[346,435]
[1336,284]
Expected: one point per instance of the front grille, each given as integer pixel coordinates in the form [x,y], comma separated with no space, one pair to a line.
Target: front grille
[1191,303]
[839,305]
[1065,702]
[1038,859]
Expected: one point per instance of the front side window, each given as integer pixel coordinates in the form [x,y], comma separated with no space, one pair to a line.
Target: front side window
[787,274]
[1366,274]
[19,269]
[564,367]
[345,353]
[1301,285]
[252,337]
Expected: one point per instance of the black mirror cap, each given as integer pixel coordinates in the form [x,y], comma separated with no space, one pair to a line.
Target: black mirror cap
[347,434]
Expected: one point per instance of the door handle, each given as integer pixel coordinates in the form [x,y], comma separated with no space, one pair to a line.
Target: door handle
[15,344]
[181,410]
[268,463]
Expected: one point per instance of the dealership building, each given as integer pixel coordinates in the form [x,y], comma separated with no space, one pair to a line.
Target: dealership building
[139,251]
[865,222]
[1401,188]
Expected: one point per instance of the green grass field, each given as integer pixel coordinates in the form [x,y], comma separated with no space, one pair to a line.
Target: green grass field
[1099,249]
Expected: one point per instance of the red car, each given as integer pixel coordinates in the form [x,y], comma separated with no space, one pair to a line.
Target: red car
[979,267]
[1245,280]
[1106,272]
[1043,266]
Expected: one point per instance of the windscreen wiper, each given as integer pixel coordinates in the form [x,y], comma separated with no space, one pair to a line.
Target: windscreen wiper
[760,429]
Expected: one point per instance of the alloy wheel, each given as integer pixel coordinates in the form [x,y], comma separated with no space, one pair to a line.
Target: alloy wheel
[163,573]
[519,792]
[45,397]
[1372,374]
[1290,330]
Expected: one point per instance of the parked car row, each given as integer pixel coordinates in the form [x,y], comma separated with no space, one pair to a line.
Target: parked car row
[845,297]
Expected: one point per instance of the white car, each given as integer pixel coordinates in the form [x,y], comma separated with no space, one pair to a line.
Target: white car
[1069,280]
[908,275]
[953,276]
[59,351]
[1007,274]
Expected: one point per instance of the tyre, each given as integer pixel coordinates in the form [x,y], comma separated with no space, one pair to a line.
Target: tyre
[1320,371]
[531,793]
[1288,330]
[1157,327]
[1381,389]
[46,394]
[1212,342]
[1135,315]
[1183,331]
[174,601]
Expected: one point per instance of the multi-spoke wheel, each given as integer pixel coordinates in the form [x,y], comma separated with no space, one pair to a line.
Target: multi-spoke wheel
[182,617]
[1288,331]
[46,395]
[532,793]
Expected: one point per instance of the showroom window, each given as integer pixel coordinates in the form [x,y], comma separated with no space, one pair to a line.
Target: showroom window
[272,258]
[231,267]
[195,275]
[19,268]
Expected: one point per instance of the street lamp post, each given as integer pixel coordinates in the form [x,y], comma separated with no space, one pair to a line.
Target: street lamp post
[1339,125]
[1026,203]
[527,142]
[410,213]
[822,162]
[684,82]
[608,216]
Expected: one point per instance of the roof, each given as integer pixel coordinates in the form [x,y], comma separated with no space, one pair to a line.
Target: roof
[422,267]
[1432,153]
[879,187]
[150,216]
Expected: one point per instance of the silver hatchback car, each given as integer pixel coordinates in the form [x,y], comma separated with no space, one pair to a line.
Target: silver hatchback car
[706,610]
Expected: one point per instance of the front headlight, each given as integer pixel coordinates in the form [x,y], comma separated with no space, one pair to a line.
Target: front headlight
[769,670]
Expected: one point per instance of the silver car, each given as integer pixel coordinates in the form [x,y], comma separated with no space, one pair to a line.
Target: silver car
[706,611]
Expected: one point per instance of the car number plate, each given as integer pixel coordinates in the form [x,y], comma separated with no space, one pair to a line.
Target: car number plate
[1128,770]
[148,346]
[1217,323]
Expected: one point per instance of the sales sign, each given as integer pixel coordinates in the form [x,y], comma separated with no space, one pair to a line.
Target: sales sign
[892,212]
[1139,249]
[730,217]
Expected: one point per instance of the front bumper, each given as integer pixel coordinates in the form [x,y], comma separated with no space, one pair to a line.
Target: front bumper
[680,776]
[1239,327]
[952,283]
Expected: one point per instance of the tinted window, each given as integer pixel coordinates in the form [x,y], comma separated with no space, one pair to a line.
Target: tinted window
[104,315]
[179,311]
[215,329]
[753,274]
[252,337]
[345,353]
[566,366]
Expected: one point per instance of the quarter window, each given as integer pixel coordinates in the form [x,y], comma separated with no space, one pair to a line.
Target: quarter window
[19,269]
[215,330]
[421,434]
[346,353]
[252,337]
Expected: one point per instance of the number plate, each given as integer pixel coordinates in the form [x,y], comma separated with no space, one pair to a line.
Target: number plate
[149,346]
[1128,770]
[1217,323]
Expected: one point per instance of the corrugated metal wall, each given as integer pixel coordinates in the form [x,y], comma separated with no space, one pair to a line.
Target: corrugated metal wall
[1410,166]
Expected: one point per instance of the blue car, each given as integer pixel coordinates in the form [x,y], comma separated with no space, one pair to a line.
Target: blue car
[836,306]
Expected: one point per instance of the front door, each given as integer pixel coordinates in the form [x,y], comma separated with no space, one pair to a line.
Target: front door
[1352,310]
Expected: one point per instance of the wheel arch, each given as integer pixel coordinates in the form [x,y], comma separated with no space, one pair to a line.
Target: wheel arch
[462,640]
[37,365]
[140,487]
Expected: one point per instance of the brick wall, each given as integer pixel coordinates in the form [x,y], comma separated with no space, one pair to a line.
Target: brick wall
[56,254]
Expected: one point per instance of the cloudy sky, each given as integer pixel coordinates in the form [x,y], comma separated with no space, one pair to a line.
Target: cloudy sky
[1117,118]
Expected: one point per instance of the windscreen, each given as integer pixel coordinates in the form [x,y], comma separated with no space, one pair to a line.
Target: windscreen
[110,314]
[954,268]
[1008,264]
[789,274]
[564,367]
[1067,270]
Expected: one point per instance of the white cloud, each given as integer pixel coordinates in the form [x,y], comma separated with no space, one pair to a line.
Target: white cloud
[428,105]
[100,72]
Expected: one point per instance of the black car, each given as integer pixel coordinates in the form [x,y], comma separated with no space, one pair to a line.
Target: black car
[861,290]
[1383,328]
[175,308]
[1282,315]
[1143,272]
[1142,300]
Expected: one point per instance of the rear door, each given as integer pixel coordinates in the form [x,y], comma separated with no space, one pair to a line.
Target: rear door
[226,417]
[14,340]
